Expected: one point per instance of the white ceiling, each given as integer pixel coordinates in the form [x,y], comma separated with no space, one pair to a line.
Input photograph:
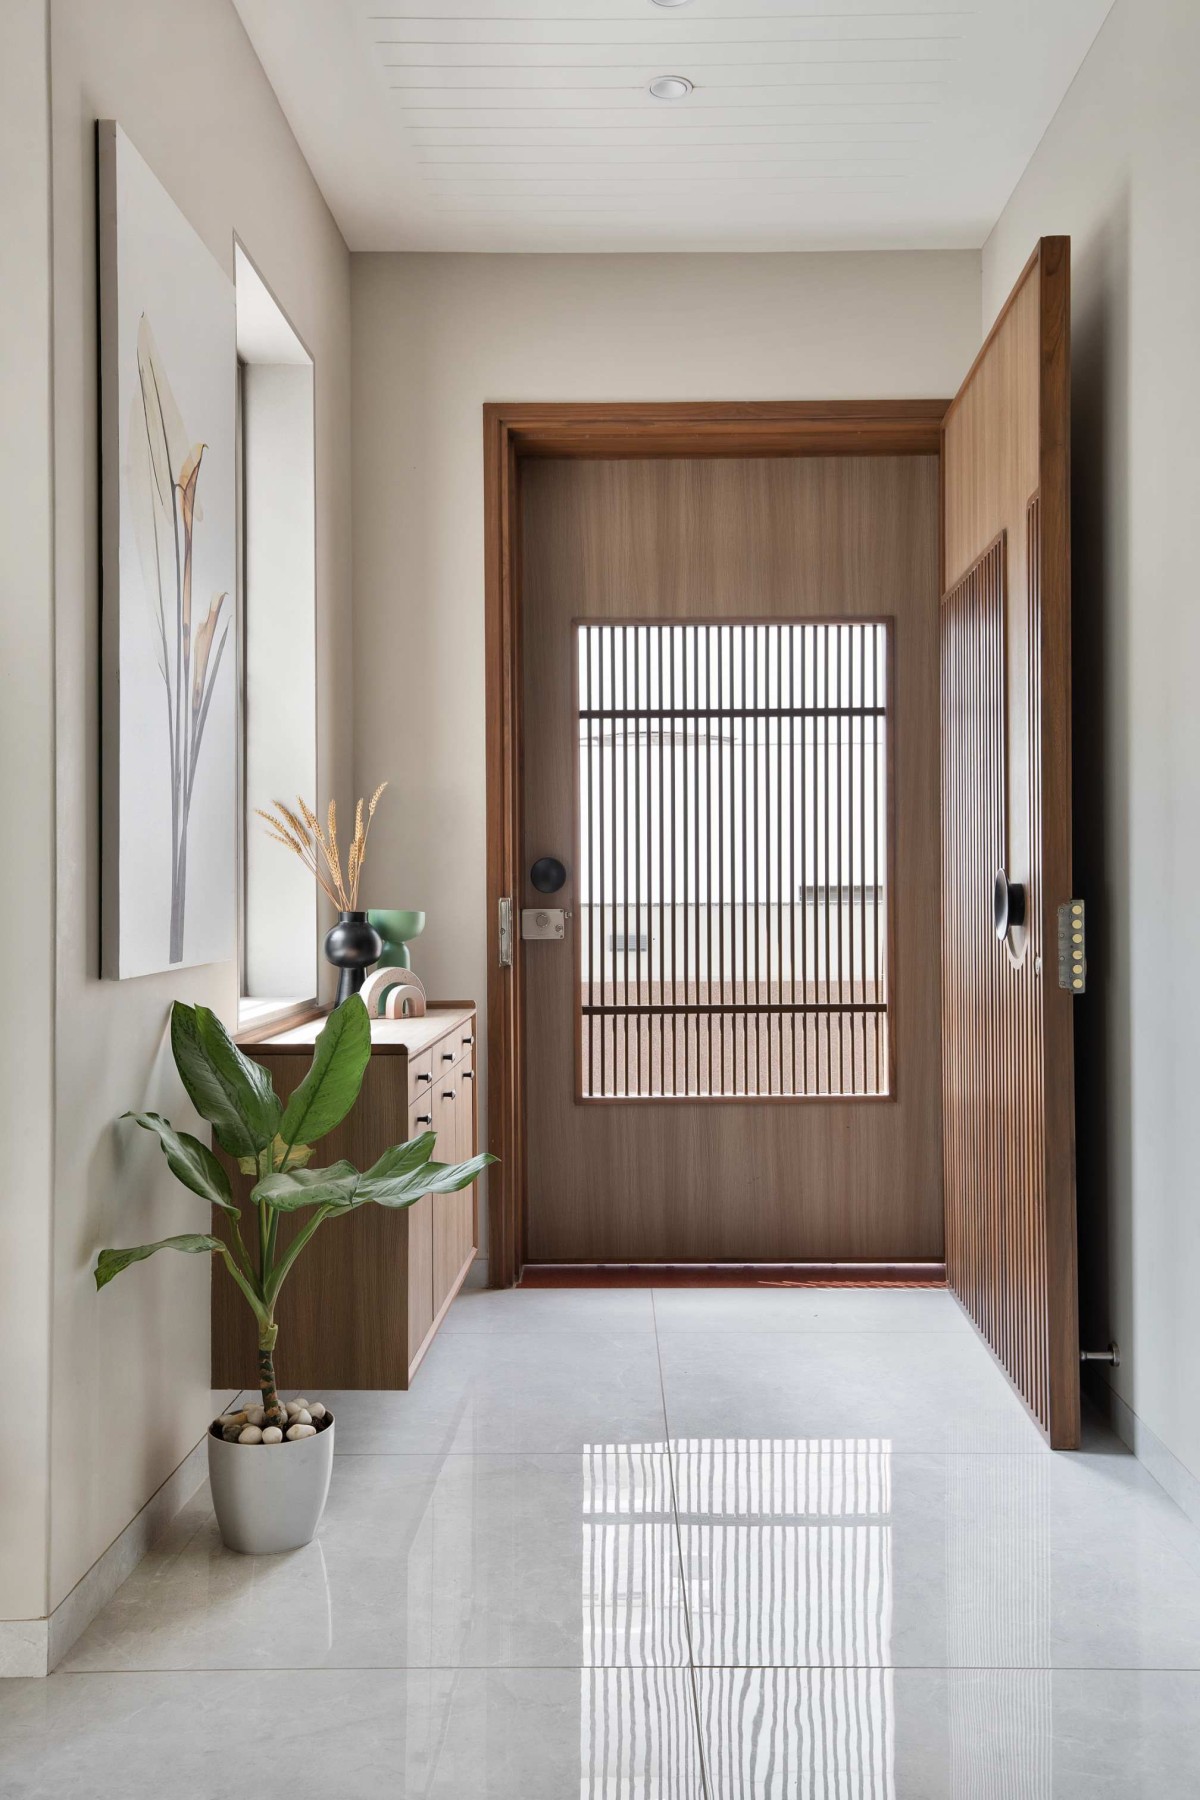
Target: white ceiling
[527,125]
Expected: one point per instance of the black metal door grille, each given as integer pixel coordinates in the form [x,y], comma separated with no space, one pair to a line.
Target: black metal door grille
[733,925]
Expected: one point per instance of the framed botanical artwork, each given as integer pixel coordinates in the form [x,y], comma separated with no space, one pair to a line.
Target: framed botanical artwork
[168,361]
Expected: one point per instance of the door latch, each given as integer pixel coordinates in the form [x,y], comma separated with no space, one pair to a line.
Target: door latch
[1072,947]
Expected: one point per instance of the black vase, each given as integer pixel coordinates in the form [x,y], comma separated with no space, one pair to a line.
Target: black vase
[352,945]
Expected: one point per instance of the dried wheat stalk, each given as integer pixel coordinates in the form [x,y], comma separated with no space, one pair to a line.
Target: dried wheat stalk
[305,838]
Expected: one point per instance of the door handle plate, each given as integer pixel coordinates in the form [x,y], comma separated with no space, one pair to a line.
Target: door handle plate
[543,922]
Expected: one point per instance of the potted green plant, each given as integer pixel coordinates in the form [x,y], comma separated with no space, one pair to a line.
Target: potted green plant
[270,1465]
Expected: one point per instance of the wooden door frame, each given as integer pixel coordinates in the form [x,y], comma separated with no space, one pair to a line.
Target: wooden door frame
[511,434]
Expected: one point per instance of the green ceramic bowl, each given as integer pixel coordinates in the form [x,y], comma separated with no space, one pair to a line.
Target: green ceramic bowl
[397,929]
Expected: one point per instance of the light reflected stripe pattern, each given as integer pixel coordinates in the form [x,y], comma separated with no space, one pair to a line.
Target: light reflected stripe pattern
[812,1734]
[637,1736]
[732,863]
[787,1544]
[836,1477]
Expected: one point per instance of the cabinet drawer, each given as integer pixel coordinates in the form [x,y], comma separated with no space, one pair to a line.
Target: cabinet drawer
[420,1075]
[422,1114]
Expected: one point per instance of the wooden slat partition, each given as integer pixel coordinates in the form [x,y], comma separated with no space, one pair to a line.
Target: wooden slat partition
[1008,1118]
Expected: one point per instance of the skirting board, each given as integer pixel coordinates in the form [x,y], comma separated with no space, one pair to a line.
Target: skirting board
[36,1646]
[1171,1475]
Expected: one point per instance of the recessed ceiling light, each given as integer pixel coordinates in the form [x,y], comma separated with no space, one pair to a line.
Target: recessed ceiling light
[670,87]
[672,2]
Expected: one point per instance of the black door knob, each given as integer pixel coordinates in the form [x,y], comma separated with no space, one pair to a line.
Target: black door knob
[548,875]
[1008,904]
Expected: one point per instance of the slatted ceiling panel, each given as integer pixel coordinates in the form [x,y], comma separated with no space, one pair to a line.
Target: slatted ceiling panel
[540,114]
[812,125]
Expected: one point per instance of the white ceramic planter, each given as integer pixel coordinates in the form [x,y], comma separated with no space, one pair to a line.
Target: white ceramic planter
[270,1497]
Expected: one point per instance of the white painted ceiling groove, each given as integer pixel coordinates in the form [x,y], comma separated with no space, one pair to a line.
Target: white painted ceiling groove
[527,124]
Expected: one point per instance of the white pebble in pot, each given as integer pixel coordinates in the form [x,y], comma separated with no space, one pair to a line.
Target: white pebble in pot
[255,1415]
[272,1435]
[317,1410]
[301,1431]
[303,1417]
[250,1434]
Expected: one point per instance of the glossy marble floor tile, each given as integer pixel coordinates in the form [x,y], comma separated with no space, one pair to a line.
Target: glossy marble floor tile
[721,1310]
[424,1562]
[824,1554]
[533,1391]
[356,1735]
[693,1545]
[934,1734]
[919,1391]
[573,1311]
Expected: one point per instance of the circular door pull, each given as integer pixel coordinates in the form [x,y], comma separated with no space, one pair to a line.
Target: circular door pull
[1008,904]
[548,875]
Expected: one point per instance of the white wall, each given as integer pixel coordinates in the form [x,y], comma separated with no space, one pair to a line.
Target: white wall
[436,336]
[279,917]
[128,1368]
[1119,171]
[27,757]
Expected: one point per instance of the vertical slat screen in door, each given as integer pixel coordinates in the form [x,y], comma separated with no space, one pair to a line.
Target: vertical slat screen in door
[733,848]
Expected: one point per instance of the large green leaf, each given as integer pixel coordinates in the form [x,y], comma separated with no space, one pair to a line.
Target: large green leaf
[329,1090]
[111,1262]
[190,1161]
[388,1185]
[288,1192]
[415,1154]
[234,1094]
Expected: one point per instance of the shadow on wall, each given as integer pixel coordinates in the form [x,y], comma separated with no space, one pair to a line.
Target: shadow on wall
[1100,375]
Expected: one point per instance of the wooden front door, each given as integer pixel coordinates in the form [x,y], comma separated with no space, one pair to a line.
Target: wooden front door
[731,1036]
[1012,936]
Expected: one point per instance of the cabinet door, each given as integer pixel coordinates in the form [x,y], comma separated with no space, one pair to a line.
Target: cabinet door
[454,1214]
[420,1243]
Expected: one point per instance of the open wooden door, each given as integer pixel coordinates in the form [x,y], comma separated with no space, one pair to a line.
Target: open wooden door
[1008,1078]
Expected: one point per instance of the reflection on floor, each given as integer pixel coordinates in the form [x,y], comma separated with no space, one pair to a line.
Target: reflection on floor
[688,1545]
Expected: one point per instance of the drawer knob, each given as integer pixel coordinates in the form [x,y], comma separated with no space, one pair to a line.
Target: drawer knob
[448,1094]
[468,1074]
[469,1040]
[447,1056]
[422,1076]
[424,1118]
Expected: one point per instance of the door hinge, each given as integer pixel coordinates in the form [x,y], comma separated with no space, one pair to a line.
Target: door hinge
[506,931]
[1072,947]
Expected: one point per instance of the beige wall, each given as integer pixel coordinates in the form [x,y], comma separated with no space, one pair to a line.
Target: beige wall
[129,1367]
[1119,171]
[436,336]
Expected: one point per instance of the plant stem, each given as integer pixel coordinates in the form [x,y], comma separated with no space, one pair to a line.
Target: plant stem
[273,1412]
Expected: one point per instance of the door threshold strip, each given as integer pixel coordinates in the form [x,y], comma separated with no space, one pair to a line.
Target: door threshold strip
[734,1274]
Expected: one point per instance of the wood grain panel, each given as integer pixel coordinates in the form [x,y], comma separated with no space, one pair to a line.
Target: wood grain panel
[830,538]
[1006,803]
[512,433]
[362,1303]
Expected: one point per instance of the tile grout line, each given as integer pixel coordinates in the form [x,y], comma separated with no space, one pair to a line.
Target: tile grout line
[460,1668]
[693,1686]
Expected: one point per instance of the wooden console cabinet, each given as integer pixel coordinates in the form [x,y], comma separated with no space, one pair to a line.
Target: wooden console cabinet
[365,1299]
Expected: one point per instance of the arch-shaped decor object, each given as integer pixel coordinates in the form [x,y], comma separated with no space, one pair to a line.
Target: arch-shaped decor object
[406,999]
[377,988]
